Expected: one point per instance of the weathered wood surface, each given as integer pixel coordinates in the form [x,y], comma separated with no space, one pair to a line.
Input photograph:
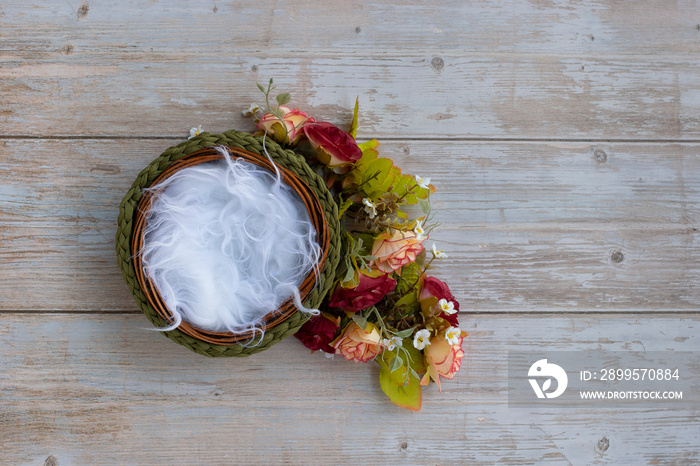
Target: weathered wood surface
[563,137]
[592,71]
[468,97]
[528,226]
[96,389]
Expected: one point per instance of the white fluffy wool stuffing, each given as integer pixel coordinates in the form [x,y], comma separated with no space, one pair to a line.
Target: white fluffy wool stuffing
[226,243]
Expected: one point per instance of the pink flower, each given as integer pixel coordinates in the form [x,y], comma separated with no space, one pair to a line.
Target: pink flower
[442,360]
[293,120]
[358,345]
[394,251]
[334,146]
[432,292]
[367,293]
[317,333]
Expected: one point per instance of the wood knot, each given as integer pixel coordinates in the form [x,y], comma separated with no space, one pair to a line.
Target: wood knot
[403,446]
[83,10]
[358,30]
[617,256]
[51,461]
[254,68]
[600,156]
[602,445]
[437,63]
[68,49]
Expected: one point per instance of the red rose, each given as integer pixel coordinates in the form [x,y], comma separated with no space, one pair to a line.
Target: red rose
[334,146]
[433,291]
[317,333]
[367,293]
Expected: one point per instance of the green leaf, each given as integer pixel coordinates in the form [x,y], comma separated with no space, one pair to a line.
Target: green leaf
[283,98]
[344,205]
[405,333]
[410,273]
[260,86]
[365,242]
[360,320]
[353,126]
[349,276]
[424,205]
[407,396]
[397,363]
[416,362]
[388,359]
[408,302]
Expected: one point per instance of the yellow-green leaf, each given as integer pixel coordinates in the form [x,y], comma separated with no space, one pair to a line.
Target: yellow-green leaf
[353,126]
[378,178]
[409,301]
[371,144]
[407,396]
[343,207]
[410,274]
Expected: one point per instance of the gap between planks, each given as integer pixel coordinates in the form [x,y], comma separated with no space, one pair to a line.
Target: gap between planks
[462,314]
[381,138]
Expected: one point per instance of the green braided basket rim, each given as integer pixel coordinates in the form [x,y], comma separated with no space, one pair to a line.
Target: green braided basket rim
[285,158]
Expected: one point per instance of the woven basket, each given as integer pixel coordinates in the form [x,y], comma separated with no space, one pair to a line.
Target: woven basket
[311,188]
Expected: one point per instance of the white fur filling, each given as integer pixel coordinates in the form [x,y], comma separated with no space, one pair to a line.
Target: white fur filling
[226,243]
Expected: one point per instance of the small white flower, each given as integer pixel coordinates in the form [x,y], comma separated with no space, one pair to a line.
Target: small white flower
[370,208]
[423,182]
[448,307]
[195,132]
[422,339]
[438,254]
[452,335]
[389,344]
[398,341]
[419,231]
[254,108]
[328,355]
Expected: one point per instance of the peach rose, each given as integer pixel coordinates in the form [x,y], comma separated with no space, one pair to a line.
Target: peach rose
[292,120]
[442,359]
[358,345]
[394,251]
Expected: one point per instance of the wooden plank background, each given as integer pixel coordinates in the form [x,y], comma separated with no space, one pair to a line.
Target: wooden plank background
[563,138]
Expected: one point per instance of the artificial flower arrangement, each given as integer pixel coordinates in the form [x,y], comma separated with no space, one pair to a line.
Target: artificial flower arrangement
[384,306]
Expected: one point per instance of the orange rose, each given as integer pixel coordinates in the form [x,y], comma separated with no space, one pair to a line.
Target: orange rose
[394,251]
[292,120]
[442,359]
[356,344]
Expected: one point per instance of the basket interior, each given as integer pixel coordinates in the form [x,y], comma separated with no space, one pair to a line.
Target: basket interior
[275,317]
